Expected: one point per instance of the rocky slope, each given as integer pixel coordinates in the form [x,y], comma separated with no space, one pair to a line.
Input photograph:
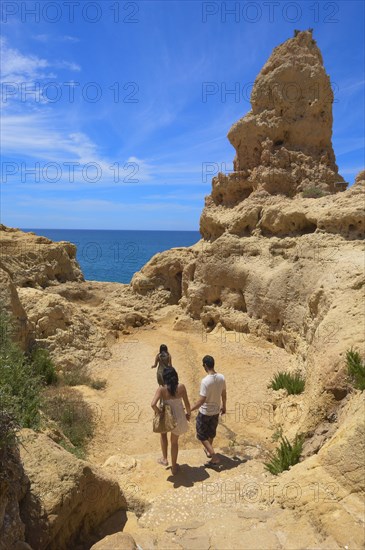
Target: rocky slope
[43,289]
[280,261]
[283,145]
[273,262]
[282,256]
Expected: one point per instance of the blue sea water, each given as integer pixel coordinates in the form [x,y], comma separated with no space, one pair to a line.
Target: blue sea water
[115,255]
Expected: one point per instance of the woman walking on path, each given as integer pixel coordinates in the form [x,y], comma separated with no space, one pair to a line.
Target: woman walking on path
[173,394]
[163,360]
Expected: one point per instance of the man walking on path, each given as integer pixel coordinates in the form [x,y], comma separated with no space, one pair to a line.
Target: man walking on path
[212,391]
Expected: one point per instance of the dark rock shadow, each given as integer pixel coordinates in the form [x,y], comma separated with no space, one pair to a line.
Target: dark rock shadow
[188,475]
[227,462]
[113,524]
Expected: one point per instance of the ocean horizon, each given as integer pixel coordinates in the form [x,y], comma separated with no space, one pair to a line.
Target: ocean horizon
[114,255]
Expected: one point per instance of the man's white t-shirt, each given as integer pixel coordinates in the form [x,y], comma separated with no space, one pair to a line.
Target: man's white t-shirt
[211,387]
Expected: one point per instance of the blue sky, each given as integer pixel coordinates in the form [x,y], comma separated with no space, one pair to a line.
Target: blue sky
[104,120]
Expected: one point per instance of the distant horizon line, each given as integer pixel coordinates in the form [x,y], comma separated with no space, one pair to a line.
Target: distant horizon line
[89,229]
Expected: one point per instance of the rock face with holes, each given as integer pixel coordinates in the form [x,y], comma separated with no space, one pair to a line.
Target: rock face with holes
[283,145]
[43,290]
[164,273]
[282,249]
[284,154]
[282,258]
[36,261]
[28,260]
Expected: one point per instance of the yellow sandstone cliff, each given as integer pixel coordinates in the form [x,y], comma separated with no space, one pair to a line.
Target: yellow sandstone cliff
[280,263]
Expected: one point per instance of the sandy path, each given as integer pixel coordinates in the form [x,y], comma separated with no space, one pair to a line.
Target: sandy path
[124,412]
[199,508]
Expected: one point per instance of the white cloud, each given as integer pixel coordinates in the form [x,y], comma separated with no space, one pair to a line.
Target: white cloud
[350,170]
[48,38]
[68,38]
[43,138]
[41,37]
[17,67]
[343,146]
[67,65]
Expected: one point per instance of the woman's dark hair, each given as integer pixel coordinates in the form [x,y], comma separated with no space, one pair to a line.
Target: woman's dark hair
[163,347]
[171,379]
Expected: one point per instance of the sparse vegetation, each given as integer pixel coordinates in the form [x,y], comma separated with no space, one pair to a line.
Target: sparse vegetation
[80,377]
[232,443]
[277,434]
[28,386]
[98,383]
[43,365]
[293,383]
[8,427]
[356,369]
[313,193]
[76,451]
[74,417]
[20,385]
[285,456]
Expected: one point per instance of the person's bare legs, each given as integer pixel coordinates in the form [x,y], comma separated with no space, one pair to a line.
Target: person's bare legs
[209,450]
[164,446]
[210,439]
[174,452]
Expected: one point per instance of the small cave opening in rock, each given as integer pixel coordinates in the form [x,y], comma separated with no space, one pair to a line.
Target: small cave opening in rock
[218,199]
[192,273]
[244,231]
[211,324]
[243,194]
[178,278]
[309,228]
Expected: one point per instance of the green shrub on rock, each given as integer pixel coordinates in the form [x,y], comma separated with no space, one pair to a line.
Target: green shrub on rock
[356,369]
[293,383]
[285,456]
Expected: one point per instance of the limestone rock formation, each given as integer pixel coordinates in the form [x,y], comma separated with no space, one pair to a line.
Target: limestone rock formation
[28,260]
[9,300]
[360,179]
[283,151]
[284,144]
[67,498]
[163,273]
[118,541]
[329,486]
[43,290]
[37,261]
[262,214]
[282,258]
